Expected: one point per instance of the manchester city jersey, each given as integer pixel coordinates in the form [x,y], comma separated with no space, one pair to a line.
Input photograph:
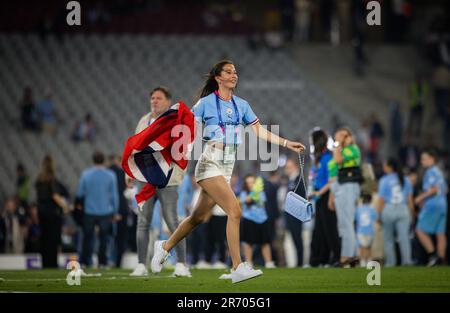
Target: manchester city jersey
[206,111]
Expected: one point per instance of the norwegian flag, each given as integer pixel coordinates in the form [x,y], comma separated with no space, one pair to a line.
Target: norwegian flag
[148,155]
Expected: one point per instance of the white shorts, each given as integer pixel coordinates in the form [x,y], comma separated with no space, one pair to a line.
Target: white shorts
[211,164]
[365,241]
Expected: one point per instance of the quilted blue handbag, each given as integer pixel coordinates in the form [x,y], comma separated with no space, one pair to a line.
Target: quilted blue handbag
[295,204]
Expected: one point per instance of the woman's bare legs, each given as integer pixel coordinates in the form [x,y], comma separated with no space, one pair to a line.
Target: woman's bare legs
[200,214]
[425,240]
[214,190]
[220,191]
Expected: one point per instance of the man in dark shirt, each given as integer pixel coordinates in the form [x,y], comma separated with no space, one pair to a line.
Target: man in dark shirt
[271,187]
[293,225]
[121,231]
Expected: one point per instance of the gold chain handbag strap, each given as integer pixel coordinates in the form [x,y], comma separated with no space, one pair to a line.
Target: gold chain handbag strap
[301,157]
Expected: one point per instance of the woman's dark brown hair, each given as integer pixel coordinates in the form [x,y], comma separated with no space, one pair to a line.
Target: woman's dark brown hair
[211,84]
[319,140]
[396,166]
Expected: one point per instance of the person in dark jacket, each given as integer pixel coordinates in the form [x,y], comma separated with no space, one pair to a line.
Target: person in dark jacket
[51,202]
[122,218]
[325,245]
[271,187]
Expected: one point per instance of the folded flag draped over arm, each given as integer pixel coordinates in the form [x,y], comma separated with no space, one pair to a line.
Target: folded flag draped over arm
[148,155]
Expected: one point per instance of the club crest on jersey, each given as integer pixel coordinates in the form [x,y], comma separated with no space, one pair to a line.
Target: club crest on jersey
[229,112]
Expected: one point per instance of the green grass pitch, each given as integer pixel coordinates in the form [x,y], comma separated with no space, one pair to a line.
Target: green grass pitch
[351,280]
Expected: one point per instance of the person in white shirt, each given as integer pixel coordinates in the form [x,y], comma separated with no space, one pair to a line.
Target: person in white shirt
[160,102]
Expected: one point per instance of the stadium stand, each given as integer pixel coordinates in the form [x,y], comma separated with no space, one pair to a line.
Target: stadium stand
[110,76]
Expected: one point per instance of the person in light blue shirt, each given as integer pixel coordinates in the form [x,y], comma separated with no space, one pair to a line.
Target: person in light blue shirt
[98,192]
[256,212]
[433,215]
[222,112]
[254,227]
[98,188]
[396,206]
[223,125]
[365,217]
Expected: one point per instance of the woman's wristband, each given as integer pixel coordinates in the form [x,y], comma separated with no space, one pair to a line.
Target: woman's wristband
[285,143]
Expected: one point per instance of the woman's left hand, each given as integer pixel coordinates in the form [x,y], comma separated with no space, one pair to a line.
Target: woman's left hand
[295,146]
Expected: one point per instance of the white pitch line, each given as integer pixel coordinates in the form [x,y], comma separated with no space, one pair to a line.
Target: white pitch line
[96,278]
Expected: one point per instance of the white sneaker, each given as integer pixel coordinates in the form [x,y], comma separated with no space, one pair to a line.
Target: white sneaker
[225,276]
[82,273]
[202,265]
[139,271]
[181,270]
[270,264]
[159,257]
[243,272]
[219,265]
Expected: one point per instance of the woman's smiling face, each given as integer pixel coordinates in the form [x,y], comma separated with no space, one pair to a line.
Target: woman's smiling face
[228,76]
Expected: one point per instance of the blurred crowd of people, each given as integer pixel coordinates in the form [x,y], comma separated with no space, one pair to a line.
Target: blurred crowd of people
[272,24]
[42,117]
[424,120]
[367,206]
[401,219]
[57,221]
[37,116]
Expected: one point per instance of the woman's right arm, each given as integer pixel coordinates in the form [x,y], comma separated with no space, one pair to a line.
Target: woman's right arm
[268,136]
